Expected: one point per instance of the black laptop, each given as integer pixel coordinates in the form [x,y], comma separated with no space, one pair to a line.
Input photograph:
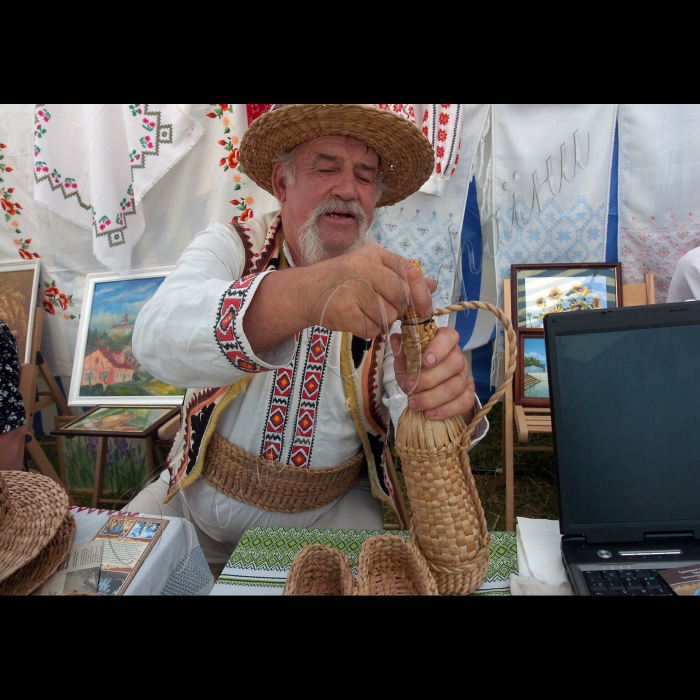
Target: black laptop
[624,387]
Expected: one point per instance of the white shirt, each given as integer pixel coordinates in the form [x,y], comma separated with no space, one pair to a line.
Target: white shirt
[685,283]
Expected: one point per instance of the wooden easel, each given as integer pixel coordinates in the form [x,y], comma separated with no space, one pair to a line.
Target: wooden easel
[28,376]
[154,458]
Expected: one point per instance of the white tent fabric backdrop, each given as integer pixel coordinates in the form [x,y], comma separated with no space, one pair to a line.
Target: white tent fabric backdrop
[659,190]
[544,189]
[192,178]
[178,193]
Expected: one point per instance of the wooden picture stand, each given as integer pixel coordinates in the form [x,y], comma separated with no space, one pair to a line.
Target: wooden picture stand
[156,439]
[36,401]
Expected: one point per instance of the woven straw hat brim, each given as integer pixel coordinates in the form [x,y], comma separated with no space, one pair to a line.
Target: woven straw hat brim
[34,574]
[37,508]
[406,155]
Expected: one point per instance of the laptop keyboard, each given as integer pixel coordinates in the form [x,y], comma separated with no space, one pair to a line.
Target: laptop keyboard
[628,582]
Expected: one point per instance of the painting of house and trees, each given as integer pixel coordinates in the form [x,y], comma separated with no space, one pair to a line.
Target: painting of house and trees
[106,365]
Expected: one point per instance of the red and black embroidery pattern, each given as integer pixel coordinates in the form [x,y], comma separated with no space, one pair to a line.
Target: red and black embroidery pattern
[278,410]
[302,444]
[258,262]
[224,331]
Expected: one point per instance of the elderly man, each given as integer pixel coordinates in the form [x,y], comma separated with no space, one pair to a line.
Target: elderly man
[285,323]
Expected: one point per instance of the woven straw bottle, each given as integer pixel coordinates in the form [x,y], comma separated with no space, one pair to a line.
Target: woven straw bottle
[447,519]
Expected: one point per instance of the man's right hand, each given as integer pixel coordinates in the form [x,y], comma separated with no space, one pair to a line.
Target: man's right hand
[362,292]
[365,291]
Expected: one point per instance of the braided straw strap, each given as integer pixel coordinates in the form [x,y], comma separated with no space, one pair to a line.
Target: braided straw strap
[512,351]
[275,486]
[320,570]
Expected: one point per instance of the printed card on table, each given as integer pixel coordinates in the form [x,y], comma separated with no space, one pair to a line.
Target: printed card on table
[127,542]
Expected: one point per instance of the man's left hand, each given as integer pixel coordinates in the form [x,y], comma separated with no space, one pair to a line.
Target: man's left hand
[443,387]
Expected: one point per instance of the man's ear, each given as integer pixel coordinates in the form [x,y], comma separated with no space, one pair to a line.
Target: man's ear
[279,185]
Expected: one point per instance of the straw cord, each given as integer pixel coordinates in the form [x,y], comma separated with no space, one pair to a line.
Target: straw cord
[510,355]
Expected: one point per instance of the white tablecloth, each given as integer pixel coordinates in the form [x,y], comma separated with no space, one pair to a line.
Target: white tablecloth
[175,566]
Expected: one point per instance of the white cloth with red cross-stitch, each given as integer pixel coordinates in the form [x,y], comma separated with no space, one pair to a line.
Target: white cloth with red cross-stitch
[659,190]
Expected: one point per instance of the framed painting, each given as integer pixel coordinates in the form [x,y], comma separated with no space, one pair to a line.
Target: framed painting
[105,370]
[109,421]
[538,290]
[19,286]
[531,383]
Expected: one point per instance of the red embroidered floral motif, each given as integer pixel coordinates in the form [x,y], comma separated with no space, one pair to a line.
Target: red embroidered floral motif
[231,160]
[11,209]
[55,299]
[444,118]
[442,135]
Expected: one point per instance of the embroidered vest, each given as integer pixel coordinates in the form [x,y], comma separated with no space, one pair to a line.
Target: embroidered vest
[361,368]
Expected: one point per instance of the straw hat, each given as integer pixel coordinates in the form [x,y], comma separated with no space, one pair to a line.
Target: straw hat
[36,530]
[406,155]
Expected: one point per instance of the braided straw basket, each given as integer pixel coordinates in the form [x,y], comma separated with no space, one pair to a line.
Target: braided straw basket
[320,570]
[31,576]
[392,565]
[447,518]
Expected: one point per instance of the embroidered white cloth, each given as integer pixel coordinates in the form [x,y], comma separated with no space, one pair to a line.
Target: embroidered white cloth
[206,185]
[544,188]
[176,564]
[93,164]
[427,225]
[658,191]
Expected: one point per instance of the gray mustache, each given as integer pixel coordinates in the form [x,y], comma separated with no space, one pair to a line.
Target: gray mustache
[336,206]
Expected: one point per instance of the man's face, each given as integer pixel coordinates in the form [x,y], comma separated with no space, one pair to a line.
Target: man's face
[338,169]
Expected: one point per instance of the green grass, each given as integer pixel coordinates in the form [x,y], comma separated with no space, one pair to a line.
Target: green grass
[534,478]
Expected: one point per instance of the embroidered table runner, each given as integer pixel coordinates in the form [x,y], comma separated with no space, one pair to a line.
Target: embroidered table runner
[260,563]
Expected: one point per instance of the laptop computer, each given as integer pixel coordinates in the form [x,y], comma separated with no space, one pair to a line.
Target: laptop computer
[624,388]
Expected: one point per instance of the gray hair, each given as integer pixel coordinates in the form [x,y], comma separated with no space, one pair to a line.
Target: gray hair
[288,160]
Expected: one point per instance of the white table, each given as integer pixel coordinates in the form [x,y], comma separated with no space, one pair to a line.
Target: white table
[175,565]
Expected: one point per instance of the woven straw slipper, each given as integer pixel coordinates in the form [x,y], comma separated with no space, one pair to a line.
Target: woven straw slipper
[320,570]
[392,565]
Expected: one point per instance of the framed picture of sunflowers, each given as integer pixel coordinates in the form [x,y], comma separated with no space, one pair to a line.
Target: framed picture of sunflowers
[538,290]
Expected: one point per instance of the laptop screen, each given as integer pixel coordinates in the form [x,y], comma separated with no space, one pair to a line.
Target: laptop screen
[625,398]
